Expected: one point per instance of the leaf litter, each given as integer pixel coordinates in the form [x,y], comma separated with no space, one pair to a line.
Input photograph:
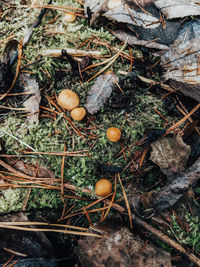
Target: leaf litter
[100,92]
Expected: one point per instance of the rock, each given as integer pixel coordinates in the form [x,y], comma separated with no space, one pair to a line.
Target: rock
[119,247]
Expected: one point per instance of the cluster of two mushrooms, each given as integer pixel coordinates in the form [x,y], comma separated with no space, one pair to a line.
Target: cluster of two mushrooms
[69,100]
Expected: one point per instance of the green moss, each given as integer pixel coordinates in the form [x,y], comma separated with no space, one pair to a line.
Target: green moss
[44,199]
[11,200]
[80,171]
[190,237]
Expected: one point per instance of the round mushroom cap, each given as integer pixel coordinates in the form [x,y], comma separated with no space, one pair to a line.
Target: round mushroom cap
[78,114]
[69,17]
[103,187]
[68,100]
[114,134]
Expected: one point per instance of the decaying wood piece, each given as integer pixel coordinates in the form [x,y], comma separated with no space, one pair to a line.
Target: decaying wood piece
[71,52]
[160,235]
[167,240]
[120,247]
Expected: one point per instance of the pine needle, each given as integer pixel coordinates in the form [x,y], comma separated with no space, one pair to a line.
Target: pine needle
[111,61]
[173,127]
[112,200]
[127,203]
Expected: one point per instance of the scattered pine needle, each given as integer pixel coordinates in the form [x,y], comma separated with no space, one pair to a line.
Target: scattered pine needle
[11,258]
[56,7]
[173,127]
[66,154]
[13,264]
[112,200]
[143,155]
[62,171]
[15,252]
[127,203]
[111,61]
[45,224]
[88,206]
[88,216]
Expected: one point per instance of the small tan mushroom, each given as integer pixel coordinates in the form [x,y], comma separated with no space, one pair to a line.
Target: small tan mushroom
[78,114]
[68,100]
[114,134]
[103,187]
[69,17]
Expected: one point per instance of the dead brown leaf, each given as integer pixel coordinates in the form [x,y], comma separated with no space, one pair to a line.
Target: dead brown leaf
[170,154]
[100,92]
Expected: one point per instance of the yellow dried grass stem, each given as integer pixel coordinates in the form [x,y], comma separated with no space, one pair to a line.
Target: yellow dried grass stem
[47,230]
[47,224]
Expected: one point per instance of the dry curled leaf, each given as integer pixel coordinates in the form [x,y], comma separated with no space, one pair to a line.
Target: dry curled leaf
[100,92]
[138,22]
[133,40]
[181,61]
[178,8]
[128,15]
[170,154]
[31,169]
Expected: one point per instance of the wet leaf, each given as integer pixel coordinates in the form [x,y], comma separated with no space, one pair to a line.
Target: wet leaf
[100,92]
[170,154]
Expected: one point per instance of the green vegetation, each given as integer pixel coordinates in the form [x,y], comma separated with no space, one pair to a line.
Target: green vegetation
[51,135]
[188,236]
